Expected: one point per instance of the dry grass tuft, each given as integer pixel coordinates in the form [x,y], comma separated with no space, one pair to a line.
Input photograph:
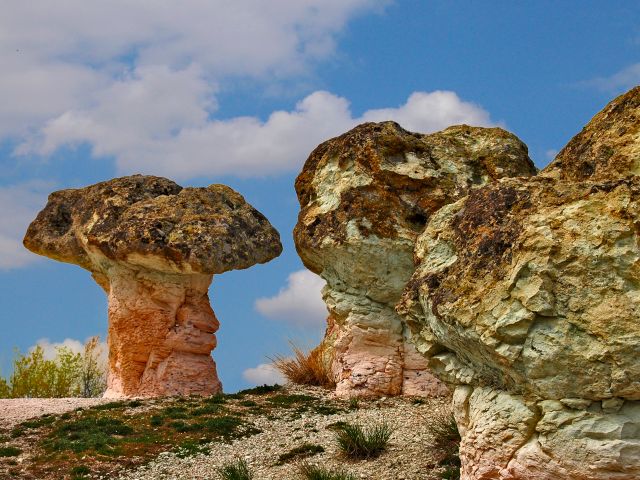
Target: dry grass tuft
[312,368]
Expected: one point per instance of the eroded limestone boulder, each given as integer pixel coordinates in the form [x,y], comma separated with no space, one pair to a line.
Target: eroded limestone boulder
[365,196]
[154,247]
[526,301]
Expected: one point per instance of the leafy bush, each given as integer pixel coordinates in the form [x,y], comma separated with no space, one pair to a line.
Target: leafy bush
[358,442]
[238,470]
[67,375]
[315,472]
[312,368]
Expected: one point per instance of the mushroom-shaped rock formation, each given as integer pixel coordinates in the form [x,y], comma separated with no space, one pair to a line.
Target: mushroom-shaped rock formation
[526,301]
[365,196]
[154,246]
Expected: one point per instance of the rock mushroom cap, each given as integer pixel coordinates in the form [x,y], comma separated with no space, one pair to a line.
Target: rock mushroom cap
[368,193]
[608,147]
[154,223]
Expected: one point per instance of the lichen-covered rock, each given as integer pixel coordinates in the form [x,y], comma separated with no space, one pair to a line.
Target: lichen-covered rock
[364,197]
[608,147]
[526,302]
[527,293]
[154,247]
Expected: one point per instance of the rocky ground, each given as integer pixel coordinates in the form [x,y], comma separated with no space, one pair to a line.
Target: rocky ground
[191,438]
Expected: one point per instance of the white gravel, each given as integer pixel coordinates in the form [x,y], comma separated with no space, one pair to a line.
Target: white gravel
[17,410]
[409,456]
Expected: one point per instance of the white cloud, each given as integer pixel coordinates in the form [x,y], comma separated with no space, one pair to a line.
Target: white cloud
[175,139]
[76,346]
[20,203]
[551,153]
[299,302]
[263,374]
[429,112]
[138,81]
[625,79]
[61,57]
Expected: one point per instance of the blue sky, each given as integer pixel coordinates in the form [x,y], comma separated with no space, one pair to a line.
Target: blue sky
[240,93]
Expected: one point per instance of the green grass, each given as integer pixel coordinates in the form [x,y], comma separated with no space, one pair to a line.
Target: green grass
[190,448]
[156,420]
[216,399]
[175,412]
[446,441]
[326,409]
[238,470]
[39,422]
[303,451]
[9,451]
[316,472]
[209,409]
[356,441]
[92,433]
[286,401]
[110,405]
[80,471]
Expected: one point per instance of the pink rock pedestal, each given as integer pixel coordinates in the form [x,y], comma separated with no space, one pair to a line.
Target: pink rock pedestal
[161,334]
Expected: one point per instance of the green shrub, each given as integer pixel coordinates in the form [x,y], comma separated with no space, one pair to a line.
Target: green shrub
[261,390]
[156,420]
[315,472]
[9,451]
[238,470]
[358,442]
[67,375]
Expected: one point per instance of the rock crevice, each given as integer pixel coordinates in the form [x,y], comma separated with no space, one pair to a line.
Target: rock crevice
[365,196]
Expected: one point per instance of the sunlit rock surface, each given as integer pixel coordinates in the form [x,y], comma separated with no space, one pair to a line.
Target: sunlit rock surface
[365,196]
[154,246]
[526,301]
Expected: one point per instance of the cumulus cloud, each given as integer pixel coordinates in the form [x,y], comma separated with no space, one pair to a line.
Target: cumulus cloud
[20,204]
[76,346]
[298,303]
[176,139]
[142,88]
[61,57]
[624,79]
[263,374]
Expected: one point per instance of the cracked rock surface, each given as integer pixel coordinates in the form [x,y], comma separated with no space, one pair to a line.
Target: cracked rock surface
[154,247]
[365,196]
[526,302]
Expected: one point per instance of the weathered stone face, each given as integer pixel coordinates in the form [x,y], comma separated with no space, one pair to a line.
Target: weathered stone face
[526,302]
[154,246]
[365,196]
